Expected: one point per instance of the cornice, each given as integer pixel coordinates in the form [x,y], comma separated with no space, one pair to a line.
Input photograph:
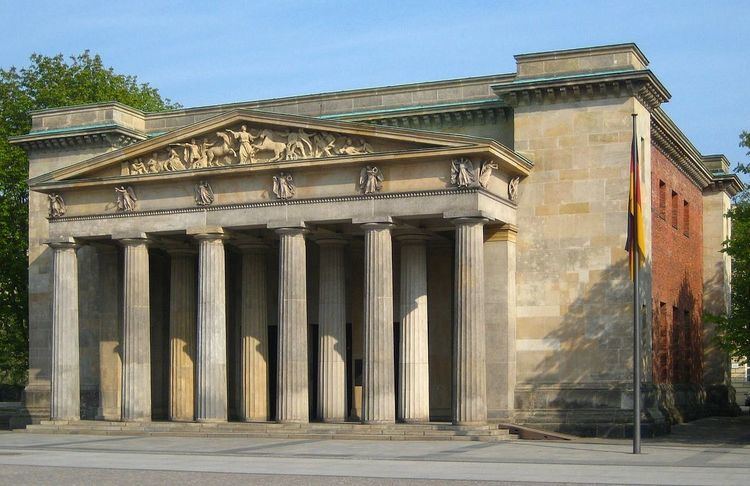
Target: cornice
[111,135]
[431,119]
[670,141]
[729,183]
[642,85]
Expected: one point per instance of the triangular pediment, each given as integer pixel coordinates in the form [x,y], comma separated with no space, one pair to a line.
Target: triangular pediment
[244,137]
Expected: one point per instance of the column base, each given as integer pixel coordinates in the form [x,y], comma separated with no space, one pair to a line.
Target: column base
[414,421]
[469,423]
[303,422]
[378,422]
[211,420]
[136,421]
[341,420]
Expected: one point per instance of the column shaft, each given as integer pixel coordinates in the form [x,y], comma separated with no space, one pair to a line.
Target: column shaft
[469,372]
[254,336]
[414,385]
[293,401]
[66,390]
[211,362]
[378,387]
[332,332]
[136,319]
[182,329]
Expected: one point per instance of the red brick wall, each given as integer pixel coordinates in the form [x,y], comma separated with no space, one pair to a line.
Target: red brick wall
[677,274]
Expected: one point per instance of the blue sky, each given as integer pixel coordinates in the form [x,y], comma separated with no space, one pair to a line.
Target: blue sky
[207,52]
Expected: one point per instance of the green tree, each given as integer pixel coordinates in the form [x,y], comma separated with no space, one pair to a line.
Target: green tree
[46,83]
[734,329]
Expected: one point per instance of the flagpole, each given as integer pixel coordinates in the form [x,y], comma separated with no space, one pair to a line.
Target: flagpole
[636,313]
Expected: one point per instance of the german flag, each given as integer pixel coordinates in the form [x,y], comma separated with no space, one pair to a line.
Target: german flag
[636,243]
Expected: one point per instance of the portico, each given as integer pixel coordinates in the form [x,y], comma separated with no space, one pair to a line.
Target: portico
[317,295]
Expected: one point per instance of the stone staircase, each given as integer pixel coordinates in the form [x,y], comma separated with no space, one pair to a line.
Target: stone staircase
[316,431]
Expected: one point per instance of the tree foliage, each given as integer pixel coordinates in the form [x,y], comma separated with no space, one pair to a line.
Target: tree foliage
[734,329]
[46,83]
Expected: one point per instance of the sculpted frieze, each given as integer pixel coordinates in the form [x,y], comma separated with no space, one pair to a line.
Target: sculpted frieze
[245,145]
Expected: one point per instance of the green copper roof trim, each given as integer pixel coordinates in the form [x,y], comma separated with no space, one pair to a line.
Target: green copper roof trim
[567,76]
[75,129]
[410,108]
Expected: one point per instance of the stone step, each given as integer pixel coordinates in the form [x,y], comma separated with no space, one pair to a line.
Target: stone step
[313,431]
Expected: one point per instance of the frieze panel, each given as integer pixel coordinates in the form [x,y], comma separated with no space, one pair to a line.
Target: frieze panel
[243,145]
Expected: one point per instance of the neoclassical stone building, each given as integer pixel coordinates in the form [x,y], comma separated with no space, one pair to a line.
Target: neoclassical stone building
[443,251]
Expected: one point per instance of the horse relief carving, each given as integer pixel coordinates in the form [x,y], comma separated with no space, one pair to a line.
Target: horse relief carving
[247,146]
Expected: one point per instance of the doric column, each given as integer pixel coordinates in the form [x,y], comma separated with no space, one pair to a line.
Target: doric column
[211,344]
[332,331]
[254,333]
[136,339]
[469,373]
[66,389]
[414,384]
[378,393]
[182,329]
[292,402]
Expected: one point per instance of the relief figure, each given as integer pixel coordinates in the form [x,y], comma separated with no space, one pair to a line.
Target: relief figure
[283,185]
[125,198]
[138,167]
[56,205]
[269,143]
[486,172]
[153,164]
[462,173]
[370,179]
[247,151]
[217,155]
[173,162]
[299,145]
[204,195]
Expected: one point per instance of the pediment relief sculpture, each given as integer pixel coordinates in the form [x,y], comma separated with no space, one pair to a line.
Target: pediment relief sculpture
[246,146]
[56,205]
[283,185]
[125,199]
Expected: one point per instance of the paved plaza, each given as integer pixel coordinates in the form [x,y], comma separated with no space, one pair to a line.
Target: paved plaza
[711,451]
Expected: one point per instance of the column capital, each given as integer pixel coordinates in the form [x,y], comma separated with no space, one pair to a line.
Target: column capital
[467,214]
[374,222]
[291,230]
[131,238]
[63,242]
[468,220]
